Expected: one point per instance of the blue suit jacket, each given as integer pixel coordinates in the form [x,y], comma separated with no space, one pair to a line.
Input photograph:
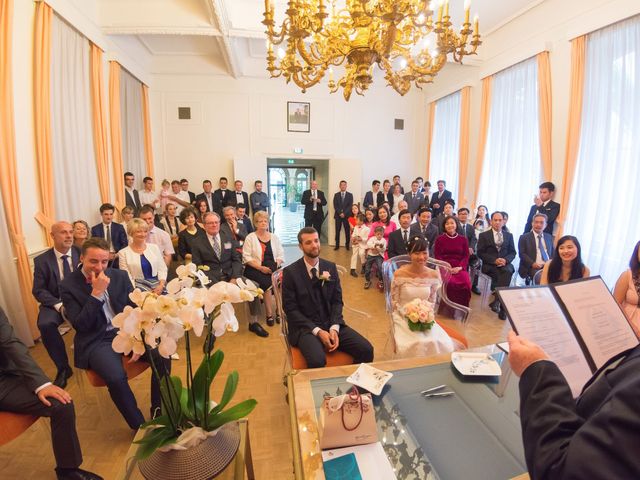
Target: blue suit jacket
[118,235]
[46,276]
[85,312]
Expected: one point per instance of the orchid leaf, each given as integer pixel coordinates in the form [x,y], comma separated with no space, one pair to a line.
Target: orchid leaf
[229,392]
[234,413]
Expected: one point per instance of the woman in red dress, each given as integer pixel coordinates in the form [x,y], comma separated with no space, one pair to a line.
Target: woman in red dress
[454,249]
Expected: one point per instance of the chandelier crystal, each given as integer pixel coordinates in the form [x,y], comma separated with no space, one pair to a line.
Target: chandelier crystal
[409,40]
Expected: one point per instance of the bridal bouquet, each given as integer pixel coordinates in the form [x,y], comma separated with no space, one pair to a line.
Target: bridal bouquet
[159,321]
[419,315]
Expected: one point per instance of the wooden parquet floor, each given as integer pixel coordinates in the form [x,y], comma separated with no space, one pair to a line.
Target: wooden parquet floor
[105,437]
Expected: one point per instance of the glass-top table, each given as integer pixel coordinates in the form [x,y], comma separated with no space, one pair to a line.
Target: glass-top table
[472,434]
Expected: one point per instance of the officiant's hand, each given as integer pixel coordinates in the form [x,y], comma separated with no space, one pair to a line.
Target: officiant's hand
[523,353]
[335,341]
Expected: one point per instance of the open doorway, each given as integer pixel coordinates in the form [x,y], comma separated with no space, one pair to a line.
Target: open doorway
[287,180]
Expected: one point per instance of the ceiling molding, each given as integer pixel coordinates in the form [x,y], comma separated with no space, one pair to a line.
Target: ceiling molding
[160,30]
[244,33]
[154,51]
[222,20]
[519,13]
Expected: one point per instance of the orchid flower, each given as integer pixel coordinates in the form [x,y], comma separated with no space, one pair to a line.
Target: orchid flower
[125,343]
[219,293]
[225,321]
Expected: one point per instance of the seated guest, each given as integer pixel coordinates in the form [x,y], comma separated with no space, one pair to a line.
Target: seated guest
[454,249]
[26,389]
[411,281]
[171,223]
[262,254]
[359,237]
[398,196]
[369,217]
[243,219]
[231,226]
[113,233]
[505,215]
[50,268]
[482,213]
[403,206]
[92,296]
[127,214]
[627,290]
[396,181]
[374,198]
[312,300]
[466,229]
[543,203]
[535,248]
[189,233]
[201,209]
[80,232]
[497,251]
[157,235]
[414,198]
[566,263]
[425,227]
[438,198]
[143,261]
[399,239]
[447,211]
[588,437]
[355,211]
[376,251]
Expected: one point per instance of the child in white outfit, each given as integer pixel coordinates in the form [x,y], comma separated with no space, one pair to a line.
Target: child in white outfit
[359,237]
[376,246]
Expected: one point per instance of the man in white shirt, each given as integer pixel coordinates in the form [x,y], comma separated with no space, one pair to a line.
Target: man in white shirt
[157,235]
[535,248]
[402,205]
[147,195]
[179,197]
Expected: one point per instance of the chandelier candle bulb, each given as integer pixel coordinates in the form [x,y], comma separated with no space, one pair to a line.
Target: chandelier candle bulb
[446,8]
[467,9]
[476,23]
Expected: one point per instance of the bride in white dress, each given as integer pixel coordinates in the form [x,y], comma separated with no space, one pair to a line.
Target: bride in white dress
[411,281]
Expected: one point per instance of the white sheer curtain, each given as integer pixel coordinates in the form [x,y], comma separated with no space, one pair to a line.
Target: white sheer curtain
[132,123]
[74,164]
[606,191]
[445,145]
[511,170]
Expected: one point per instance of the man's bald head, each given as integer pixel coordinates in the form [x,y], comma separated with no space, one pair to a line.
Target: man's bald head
[62,234]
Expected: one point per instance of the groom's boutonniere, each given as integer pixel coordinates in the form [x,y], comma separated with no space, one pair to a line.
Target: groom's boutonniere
[324,277]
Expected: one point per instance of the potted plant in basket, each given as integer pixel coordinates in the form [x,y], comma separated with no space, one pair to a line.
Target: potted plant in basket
[189,420]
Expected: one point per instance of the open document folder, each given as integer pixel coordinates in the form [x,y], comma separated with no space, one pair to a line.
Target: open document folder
[577,323]
[371,463]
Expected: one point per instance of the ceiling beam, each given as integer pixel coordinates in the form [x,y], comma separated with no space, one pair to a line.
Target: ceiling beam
[218,14]
[160,30]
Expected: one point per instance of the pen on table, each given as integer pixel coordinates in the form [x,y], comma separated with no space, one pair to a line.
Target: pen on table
[434,389]
[442,394]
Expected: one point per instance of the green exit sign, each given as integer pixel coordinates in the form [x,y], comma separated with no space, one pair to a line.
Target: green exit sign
[290,161]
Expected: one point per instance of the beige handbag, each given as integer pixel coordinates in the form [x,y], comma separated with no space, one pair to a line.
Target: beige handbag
[347,420]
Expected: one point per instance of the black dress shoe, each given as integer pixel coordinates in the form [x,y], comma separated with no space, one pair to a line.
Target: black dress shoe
[62,376]
[258,330]
[277,319]
[76,474]
[495,306]
[502,315]
[353,273]
[476,290]
[336,247]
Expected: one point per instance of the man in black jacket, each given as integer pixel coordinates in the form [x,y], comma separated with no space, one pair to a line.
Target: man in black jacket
[438,198]
[313,201]
[132,197]
[544,204]
[24,388]
[399,238]
[595,436]
[342,202]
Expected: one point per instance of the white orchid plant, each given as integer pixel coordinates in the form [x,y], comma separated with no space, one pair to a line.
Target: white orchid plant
[160,321]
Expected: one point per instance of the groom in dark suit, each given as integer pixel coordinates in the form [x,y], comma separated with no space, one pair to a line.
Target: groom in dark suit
[312,301]
[342,202]
[50,268]
[92,296]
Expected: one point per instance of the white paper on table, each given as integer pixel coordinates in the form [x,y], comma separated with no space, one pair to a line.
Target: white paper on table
[602,325]
[372,460]
[504,346]
[538,317]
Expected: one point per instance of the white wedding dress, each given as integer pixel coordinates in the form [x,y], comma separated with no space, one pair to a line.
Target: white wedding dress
[416,344]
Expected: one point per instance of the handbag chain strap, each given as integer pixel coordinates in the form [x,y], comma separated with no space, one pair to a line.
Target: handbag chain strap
[354,394]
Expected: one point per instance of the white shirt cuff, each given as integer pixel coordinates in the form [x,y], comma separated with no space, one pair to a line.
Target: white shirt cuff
[58,306]
[335,327]
[42,386]
[315,331]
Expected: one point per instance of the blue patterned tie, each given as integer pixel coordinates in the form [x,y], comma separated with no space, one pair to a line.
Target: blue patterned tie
[543,253]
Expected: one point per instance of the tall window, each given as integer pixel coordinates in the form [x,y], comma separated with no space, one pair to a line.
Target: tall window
[132,122]
[511,169]
[445,145]
[606,190]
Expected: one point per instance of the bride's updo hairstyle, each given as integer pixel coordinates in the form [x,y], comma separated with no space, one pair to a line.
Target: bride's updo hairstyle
[418,244]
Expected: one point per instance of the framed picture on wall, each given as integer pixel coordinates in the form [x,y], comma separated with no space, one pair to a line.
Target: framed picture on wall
[298,117]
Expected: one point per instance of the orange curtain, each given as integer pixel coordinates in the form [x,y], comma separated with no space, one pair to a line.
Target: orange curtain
[148,149]
[8,167]
[42,116]
[485,112]
[432,118]
[544,107]
[578,54]
[465,113]
[99,122]
[116,132]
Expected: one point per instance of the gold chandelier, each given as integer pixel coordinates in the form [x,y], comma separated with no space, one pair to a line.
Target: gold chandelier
[407,39]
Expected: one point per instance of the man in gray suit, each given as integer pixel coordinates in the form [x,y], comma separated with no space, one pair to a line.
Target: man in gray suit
[24,388]
[535,248]
[414,198]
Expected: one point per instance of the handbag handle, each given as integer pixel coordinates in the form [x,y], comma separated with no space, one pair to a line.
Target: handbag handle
[354,394]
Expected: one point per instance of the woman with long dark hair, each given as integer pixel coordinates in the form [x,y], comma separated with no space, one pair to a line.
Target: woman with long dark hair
[627,290]
[482,213]
[566,263]
[454,249]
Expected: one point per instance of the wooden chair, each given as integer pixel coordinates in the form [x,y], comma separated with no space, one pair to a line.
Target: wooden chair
[14,425]
[460,312]
[132,370]
[294,359]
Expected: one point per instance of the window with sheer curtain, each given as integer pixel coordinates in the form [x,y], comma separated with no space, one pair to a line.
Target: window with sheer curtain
[511,169]
[606,189]
[132,122]
[76,193]
[445,144]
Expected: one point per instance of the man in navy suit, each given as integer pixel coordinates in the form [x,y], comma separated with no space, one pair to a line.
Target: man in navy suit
[132,197]
[592,436]
[50,268]
[535,248]
[113,233]
[92,296]
[438,198]
[497,250]
[312,300]
[223,197]
[543,203]
[399,238]
[374,198]
[342,202]
[414,198]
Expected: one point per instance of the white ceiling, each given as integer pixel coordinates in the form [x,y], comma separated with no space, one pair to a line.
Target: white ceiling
[225,36]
